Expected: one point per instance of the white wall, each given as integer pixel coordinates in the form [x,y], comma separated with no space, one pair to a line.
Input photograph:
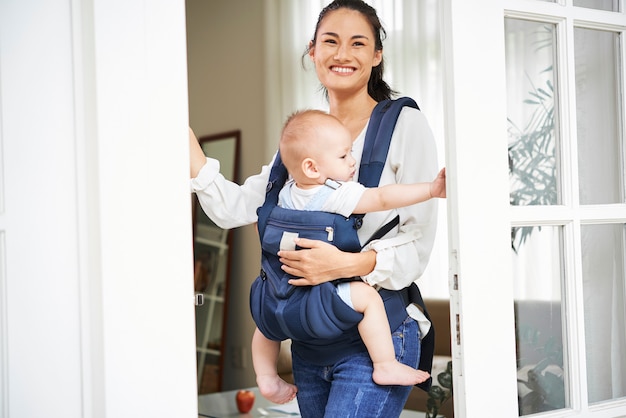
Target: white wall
[96,288]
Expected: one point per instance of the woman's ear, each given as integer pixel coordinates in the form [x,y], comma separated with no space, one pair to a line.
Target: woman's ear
[378,57]
[309,168]
[312,51]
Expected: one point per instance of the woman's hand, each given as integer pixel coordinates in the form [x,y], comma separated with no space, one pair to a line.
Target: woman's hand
[438,186]
[320,262]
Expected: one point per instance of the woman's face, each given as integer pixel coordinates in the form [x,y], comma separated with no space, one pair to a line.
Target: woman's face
[344,52]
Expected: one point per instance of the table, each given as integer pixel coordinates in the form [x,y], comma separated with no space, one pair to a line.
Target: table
[222,404]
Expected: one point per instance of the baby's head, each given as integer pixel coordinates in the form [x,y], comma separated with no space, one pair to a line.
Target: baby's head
[315,146]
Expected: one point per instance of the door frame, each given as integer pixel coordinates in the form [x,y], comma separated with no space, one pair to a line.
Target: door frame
[478,210]
[479,215]
[96,274]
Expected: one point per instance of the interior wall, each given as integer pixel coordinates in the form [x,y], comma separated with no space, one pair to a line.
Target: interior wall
[227,91]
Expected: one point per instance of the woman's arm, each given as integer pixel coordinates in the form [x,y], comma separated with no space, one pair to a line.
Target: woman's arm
[228,204]
[323,262]
[197,159]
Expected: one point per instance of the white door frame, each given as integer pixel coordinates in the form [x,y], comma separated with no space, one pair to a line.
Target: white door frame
[96,290]
[483,343]
[480,219]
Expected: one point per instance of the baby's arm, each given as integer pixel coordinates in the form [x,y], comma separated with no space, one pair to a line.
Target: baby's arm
[393,196]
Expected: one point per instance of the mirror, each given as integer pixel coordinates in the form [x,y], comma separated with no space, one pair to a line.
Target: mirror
[211,247]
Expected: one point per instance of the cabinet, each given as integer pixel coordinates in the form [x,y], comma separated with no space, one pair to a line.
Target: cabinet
[211,247]
[211,268]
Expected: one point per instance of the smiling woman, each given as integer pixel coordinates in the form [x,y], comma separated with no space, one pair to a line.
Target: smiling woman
[288,27]
[346,49]
[251,77]
[410,26]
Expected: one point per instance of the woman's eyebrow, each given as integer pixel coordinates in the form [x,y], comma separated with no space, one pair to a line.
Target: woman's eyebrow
[337,36]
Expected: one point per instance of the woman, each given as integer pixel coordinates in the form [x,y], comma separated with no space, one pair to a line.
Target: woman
[335,379]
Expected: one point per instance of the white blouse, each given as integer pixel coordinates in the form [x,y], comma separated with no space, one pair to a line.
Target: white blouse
[402,256]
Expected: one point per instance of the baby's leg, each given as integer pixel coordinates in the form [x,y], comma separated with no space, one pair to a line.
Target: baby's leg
[264,359]
[375,333]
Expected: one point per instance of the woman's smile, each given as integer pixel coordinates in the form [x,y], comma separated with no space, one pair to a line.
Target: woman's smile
[342,70]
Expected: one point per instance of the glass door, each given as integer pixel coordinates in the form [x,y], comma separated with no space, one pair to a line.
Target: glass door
[549,324]
[566,158]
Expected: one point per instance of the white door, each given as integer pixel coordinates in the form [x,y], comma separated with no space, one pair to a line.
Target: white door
[96,291]
[536,158]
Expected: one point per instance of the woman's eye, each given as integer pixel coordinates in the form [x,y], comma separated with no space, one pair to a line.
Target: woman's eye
[330,41]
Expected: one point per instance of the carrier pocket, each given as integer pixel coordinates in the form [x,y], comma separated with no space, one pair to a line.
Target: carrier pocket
[275,229]
[279,235]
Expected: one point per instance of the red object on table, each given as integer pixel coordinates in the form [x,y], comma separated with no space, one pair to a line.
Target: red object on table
[245,400]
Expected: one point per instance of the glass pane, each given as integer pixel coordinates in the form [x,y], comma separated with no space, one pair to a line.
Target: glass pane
[605,318]
[531,114]
[598,117]
[539,327]
[608,5]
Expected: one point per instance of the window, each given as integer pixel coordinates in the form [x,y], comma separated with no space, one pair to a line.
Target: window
[567,176]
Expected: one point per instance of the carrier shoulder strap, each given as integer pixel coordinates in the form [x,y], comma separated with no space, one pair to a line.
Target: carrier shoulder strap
[278,177]
[376,147]
[378,137]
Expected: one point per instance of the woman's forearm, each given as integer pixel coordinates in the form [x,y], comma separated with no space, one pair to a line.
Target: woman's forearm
[358,264]
[197,158]
[227,203]
[322,262]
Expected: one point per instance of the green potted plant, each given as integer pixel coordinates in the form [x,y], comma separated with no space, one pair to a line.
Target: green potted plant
[532,159]
[532,169]
[438,395]
[542,385]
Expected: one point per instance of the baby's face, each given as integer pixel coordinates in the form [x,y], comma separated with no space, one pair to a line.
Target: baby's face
[335,159]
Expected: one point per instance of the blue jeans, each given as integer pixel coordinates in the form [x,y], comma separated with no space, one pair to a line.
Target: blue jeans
[346,389]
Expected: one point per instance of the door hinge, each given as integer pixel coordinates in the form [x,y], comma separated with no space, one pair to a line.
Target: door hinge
[199,299]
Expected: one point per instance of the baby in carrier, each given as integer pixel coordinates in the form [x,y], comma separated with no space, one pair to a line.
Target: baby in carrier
[315,148]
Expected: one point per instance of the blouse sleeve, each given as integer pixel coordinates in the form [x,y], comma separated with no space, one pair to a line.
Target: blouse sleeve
[402,259]
[229,204]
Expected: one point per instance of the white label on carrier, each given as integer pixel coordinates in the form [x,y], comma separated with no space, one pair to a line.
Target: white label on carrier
[287,242]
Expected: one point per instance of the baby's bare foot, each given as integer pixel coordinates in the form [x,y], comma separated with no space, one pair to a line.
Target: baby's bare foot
[275,389]
[396,373]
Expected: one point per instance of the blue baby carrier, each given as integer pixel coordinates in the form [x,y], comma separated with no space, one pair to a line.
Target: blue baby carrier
[312,313]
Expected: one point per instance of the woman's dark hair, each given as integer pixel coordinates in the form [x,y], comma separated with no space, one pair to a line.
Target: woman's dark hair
[377,88]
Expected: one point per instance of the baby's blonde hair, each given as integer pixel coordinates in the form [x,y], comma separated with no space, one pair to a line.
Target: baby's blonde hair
[299,137]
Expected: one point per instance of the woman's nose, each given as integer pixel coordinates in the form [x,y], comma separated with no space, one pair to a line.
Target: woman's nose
[341,53]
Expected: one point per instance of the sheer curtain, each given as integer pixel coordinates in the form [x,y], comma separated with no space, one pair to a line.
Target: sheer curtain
[413,68]
[601,184]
